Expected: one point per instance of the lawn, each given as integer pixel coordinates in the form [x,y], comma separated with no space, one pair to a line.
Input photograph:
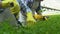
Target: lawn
[51,26]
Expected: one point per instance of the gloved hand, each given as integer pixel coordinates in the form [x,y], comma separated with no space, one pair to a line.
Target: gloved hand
[30,17]
[6,4]
[11,4]
[38,17]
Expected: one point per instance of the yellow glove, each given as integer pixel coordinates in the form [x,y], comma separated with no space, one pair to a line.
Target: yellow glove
[8,3]
[16,9]
[38,17]
[30,17]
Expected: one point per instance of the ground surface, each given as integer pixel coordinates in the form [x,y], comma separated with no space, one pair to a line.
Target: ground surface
[51,26]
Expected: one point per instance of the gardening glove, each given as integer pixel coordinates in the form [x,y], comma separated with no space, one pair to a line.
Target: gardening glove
[38,17]
[30,17]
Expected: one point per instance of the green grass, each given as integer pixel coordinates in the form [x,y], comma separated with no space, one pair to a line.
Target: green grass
[51,26]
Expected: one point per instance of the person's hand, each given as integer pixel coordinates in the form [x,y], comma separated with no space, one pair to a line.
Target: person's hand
[11,4]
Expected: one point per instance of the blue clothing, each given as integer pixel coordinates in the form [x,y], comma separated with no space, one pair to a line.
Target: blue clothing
[29,1]
[23,3]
